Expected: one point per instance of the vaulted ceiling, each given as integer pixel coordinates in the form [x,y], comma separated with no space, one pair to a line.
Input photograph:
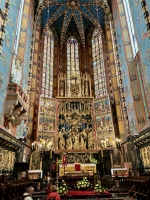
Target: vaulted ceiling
[73,15]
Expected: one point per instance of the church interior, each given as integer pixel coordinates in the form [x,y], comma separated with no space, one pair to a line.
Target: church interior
[75,98]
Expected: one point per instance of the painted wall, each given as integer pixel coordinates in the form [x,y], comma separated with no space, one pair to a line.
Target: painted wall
[7,50]
[20,131]
[148,5]
[2,4]
[124,69]
[28,48]
[143,44]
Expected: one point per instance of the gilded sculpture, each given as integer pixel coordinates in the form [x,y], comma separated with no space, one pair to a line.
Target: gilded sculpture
[75,130]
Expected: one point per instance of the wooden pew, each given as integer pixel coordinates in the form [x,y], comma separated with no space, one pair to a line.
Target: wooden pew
[13,189]
[141,186]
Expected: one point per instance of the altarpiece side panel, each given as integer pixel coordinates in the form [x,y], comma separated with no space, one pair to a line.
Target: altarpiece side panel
[46,126]
[104,123]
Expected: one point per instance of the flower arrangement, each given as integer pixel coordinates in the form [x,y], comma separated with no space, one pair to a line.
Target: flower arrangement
[93,160]
[98,187]
[83,183]
[60,161]
[63,189]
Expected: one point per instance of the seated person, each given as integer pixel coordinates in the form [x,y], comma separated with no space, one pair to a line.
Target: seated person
[28,195]
[53,193]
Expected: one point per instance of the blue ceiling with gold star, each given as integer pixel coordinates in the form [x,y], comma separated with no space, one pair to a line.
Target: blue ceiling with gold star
[73,15]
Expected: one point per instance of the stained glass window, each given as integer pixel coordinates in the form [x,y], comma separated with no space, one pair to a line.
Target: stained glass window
[18,26]
[72,57]
[130,27]
[98,65]
[48,63]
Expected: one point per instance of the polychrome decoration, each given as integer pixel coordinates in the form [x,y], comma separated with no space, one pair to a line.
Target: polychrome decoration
[48,63]
[98,65]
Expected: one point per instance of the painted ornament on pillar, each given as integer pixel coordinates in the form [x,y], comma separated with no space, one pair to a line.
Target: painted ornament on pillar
[1,80]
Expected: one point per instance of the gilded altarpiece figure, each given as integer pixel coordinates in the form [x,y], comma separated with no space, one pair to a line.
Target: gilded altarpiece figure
[75,124]
[46,125]
[104,124]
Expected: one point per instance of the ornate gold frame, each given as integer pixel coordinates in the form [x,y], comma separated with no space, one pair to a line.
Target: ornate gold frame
[31,162]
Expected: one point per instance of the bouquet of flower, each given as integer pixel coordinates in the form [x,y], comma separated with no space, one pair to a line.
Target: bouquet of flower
[63,189]
[98,187]
[83,183]
[93,160]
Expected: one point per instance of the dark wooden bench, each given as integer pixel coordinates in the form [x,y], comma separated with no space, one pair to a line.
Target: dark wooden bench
[13,189]
[140,185]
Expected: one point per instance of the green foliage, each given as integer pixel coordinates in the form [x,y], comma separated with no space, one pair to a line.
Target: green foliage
[93,160]
[83,183]
[63,189]
[98,187]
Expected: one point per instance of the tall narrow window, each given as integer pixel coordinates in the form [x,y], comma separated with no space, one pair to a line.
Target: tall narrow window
[98,65]
[72,57]
[48,63]
[18,28]
[130,27]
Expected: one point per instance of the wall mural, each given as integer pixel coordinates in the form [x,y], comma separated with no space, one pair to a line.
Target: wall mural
[125,75]
[28,47]
[148,5]
[5,57]
[104,124]
[2,4]
[144,45]
[46,125]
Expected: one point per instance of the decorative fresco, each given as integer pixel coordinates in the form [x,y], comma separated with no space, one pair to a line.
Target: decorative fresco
[148,5]
[125,75]
[2,4]
[6,55]
[104,124]
[28,47]
[143,44]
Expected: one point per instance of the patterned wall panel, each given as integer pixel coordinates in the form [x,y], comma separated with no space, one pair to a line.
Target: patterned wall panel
[125,73]
[143,43]
[6,55]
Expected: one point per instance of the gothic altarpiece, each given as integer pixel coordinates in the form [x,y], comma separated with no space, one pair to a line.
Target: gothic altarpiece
[82,122]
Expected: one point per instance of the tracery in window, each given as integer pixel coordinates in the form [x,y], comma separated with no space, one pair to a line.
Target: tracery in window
[72,57]
[98,65]
[48,63]
[130,27]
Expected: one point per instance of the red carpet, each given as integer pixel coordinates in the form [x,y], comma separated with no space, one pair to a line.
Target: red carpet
[89,193]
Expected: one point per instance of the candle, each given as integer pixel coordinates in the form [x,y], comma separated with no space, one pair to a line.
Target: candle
[56,164]
[50,154]
[102,153]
